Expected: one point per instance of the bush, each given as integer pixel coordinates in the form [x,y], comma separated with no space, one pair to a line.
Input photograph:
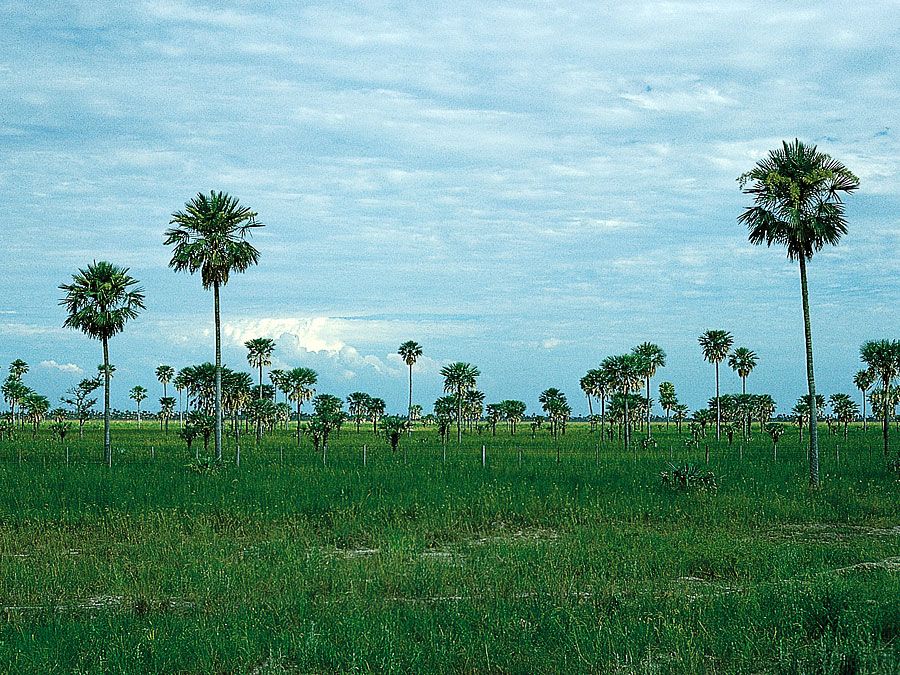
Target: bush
[207,466]
[688,477]
[648,443]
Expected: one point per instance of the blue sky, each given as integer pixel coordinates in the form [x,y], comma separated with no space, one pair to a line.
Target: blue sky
[526,186]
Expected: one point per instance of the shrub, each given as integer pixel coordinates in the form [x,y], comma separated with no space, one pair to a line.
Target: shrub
[688,477]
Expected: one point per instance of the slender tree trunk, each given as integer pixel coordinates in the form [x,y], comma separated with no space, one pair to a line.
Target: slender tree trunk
[107,448]
[885,423]
[718,407]
[811,381]
[218,373]
[627,431]
[298,422]
[409,407]
[864,409]
[602,415]
[648,408]
[458,417]
[590,412]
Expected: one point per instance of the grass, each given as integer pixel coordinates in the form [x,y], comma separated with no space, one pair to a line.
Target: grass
[524,565]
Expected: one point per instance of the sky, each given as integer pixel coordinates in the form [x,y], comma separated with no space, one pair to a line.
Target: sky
[528,187]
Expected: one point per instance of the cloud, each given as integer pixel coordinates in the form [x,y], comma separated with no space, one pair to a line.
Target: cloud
[551,343]
[69,368]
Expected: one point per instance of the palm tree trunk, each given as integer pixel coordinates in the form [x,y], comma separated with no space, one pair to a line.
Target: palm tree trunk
[811,380]
[107,448]
[648,407]
[885,423]
[298,421]
[218,373]
[627,434]
[718,407]
[409,407]
[864,409]
[602,415]
[458,417]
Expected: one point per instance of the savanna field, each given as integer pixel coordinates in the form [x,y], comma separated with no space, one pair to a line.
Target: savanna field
[412,563]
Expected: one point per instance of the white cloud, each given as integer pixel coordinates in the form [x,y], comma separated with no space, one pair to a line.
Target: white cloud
[69,368]
[551,343]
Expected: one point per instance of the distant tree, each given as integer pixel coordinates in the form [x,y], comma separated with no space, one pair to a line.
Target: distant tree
[300,386]
[459,378]
[36,408]
[883,359]
[742,361]
[165,374]
[101,299]
[209,236]
[78,397]
[14,391]
[138,394]
[624,373]
[797,193]
[681,414]
[513,413]
[667,399]
[844,408]
[652,357]
[494,413]
[862,381]
[375,411]
[358,406]
[328,415]
[775,430]
[393,427]
[166,408]
[410,352]
[715,345]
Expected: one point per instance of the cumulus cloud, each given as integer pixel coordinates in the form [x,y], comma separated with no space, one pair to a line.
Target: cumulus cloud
[69,368]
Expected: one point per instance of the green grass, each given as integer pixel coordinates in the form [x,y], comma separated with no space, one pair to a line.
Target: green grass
[525,565]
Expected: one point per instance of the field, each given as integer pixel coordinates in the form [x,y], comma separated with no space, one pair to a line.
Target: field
[420,565]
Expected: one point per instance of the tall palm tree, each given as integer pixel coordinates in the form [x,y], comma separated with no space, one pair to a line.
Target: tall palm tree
[138,394]
[299,385]
[375,411]
[210,236]
[883,359]
[358,406]
[624,373]
[410,352]
[276,377]
[742,361]
[459,378]
[17,369]
[101,299]
[14,391]
[652,357]
[715,345]
[165,374]
[259,354]
[862,381]
[797,192]
[667,399]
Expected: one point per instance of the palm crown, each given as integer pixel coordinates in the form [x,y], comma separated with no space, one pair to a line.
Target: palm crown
[209,236]
[410,351]
[715,345]
[101,299]
[797,194]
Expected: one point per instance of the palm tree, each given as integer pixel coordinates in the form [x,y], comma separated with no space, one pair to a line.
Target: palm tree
[165,374]
[17,369]
[299,384]
[862,381]
[36,408]
[742,361]
[100,300]
[798,203]
[883,359]
[209,236]
[138,394]
[652,357]
[715,345]
[259,354]
[667,398]
[166,408]
[624,373]
[410,352]
[14,390]
[358,405]
[276,377]
[459,378]
[375,411]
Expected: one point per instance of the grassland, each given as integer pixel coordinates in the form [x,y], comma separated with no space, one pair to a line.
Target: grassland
[523,565]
